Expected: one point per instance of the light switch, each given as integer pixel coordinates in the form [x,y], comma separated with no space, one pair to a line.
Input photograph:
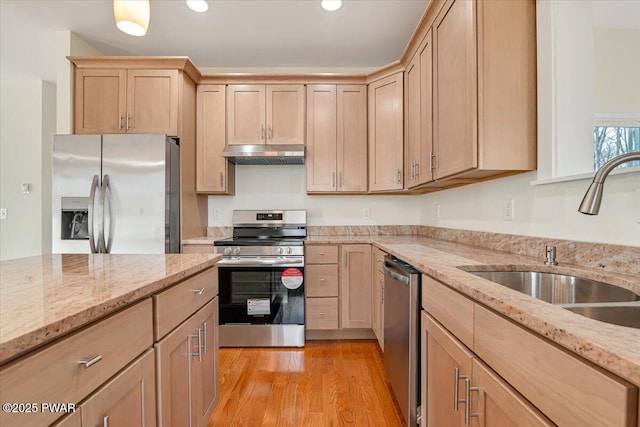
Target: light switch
[3,213]
[507,209]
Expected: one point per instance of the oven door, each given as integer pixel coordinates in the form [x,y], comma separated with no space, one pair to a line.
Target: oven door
[265,295]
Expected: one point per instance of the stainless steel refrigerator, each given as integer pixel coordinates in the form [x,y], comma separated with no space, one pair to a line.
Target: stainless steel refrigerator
[116,194]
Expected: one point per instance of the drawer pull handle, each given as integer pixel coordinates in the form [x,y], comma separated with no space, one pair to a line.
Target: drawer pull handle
[89,363]
[322,280]
[199,291]
[322,313]
[105,421]
[321,253]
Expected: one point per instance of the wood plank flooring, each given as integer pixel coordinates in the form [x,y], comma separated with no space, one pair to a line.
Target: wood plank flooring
[328,383]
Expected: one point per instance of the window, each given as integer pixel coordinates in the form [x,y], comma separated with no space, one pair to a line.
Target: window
[611,141]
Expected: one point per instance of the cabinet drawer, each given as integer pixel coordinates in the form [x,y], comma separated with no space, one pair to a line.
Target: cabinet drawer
[568,390]
[322,313]
[176,304]
[54,374]
[198,249]
[321,254]
[453,311]
[322,280]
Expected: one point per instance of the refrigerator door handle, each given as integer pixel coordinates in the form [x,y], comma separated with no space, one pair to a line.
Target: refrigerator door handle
[105,246]
[92,201]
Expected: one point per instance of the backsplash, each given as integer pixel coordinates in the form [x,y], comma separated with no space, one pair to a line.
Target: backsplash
[604,257]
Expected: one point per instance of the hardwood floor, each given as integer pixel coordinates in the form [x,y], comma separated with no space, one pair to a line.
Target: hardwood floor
[328,383]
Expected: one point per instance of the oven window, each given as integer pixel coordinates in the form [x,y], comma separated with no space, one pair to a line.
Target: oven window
[257,295]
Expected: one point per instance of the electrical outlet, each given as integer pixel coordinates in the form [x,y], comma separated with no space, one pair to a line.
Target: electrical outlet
[438,211]
[217,213]
[3,213]
[507,209]
[366,213]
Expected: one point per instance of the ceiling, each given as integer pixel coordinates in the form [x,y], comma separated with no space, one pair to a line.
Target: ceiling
[232,34]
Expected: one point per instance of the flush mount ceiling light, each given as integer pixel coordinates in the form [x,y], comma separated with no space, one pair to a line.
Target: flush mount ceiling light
[132,16]
[198,5]
[331,5]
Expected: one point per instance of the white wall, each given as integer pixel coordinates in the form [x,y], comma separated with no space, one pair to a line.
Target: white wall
[283,187]
[67,44]
[27,120]
[542,211]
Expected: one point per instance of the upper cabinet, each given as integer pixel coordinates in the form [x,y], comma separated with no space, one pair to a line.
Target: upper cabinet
[385,134]
[484,88]
[336,156]
[111,100]
[418,100]
[214,173]
[271,114]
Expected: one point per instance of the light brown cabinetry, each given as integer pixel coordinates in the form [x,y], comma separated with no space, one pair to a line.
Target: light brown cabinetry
[321,291]
[377,296]
[187,370]
[517,378]
[92,356]
[355,286]
[271,114]
[336,158]
[128,399]
[385,134]
[126,101]
[484,88]
[418,99]
[190,248]
[214,173]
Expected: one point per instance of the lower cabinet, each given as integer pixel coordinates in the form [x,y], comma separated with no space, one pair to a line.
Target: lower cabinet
[479,368]
[187,371]
[338,290]
[377,297]
[128,399]
[459,390]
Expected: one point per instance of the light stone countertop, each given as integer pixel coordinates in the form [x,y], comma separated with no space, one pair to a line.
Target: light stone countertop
[45,297]
[615,348]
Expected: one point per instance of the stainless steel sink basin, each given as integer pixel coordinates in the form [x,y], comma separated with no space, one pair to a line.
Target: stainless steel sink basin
[559,288]
[618,315]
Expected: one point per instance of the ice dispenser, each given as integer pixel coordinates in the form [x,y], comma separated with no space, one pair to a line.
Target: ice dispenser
[75,218]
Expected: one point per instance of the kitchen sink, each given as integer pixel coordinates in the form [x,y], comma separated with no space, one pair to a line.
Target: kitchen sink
[559,288]
[618,315]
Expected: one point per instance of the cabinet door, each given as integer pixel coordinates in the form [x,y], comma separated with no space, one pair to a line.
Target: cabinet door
[455,88]
[214,173]
[423,169]
[175,356]
[377,298]
[246,114]
[412,104]
[152,101]
[100,101]
[352,138]
[128,399]
[385,134]
[205,388]
[499,405]
[355,286]
[321,138]
[447,362]
[285,114]
[72,420]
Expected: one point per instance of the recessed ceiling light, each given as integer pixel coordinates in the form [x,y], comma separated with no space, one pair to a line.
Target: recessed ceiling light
[331,5]
[198,5]
[132,16]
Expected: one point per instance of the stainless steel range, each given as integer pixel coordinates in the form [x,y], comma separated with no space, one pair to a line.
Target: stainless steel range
[261,279]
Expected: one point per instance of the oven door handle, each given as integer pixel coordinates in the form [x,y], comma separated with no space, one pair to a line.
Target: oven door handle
[259,262]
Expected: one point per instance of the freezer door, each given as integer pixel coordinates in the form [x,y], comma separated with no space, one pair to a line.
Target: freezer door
[76,162]
[134,176]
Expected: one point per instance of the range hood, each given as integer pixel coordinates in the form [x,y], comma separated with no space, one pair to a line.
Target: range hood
[265,154]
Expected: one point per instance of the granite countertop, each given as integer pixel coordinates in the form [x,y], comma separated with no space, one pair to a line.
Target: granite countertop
[45,297]
[615,348]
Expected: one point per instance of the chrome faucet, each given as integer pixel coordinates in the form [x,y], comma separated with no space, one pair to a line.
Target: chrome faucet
[591,202]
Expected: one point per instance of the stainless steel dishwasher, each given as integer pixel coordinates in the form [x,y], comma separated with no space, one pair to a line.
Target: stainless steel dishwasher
[402,335]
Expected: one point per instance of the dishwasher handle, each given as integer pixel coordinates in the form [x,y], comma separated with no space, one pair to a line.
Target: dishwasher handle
[395,274]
